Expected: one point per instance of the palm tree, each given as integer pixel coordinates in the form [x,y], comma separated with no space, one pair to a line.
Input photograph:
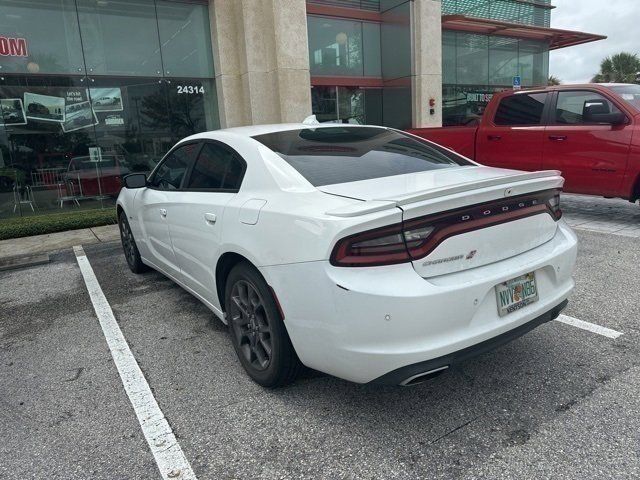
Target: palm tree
[553,80]
[620,68]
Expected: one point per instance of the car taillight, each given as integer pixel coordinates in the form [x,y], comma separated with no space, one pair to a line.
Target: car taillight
[417,238]
[554,205]
[382,246]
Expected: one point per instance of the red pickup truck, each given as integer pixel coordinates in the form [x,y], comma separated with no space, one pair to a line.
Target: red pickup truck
[589,132]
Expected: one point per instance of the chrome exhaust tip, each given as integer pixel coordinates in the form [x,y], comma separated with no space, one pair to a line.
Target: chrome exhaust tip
[423,377]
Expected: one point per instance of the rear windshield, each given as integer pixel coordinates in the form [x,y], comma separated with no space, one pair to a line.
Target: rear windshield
[330,155]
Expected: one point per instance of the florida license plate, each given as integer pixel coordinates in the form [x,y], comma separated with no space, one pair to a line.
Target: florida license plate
[516,293]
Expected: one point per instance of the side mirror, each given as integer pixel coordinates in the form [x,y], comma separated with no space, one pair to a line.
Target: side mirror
[135,180]
[616,118]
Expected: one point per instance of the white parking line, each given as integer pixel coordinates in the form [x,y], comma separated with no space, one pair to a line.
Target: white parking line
[591,327]
[164,446]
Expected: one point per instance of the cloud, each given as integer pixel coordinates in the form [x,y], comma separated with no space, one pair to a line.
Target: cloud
[617,19]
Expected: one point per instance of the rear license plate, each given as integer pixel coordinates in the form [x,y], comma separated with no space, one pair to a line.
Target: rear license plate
[516,293]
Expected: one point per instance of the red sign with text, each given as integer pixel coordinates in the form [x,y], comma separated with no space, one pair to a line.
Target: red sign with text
[13,47]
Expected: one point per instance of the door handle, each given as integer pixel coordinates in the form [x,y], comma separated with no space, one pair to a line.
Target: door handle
[557,138]
[493,138]
[210,218]
[163,212]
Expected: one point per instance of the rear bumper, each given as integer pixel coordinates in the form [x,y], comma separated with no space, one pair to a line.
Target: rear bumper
[362,324]
[401,375]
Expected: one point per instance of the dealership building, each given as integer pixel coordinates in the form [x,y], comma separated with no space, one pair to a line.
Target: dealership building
[93,89]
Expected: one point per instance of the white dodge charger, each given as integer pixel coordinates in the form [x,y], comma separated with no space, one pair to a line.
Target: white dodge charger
[363,252]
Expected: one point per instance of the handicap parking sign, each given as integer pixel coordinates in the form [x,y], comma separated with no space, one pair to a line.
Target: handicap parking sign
[517,82]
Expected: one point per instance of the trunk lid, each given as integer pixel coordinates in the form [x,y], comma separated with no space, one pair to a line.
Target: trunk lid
[404,189]
[480,215]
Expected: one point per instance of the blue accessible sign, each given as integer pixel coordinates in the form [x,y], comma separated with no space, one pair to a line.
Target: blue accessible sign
[517,82]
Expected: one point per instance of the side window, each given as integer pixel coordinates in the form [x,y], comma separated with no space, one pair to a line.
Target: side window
[574,108]
[521,109]
[216,168]
[170,172]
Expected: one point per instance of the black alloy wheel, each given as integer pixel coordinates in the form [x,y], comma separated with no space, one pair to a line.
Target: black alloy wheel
[257,329]
[250,325]
[129,246]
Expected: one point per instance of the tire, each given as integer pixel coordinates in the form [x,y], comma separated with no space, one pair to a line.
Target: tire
[257,330]
[129,246]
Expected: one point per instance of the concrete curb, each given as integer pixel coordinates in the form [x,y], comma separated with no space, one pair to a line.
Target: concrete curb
[51,242]
[14,263]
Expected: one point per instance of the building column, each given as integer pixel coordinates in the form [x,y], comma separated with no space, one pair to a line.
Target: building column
[427,63]
[261,61]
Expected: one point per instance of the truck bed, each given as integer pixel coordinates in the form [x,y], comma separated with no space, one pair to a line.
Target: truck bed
[459,139]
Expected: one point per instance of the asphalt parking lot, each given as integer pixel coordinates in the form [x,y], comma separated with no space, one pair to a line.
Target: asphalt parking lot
[560,402]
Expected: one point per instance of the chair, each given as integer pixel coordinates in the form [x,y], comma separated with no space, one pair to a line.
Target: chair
[67,193]
[24,197]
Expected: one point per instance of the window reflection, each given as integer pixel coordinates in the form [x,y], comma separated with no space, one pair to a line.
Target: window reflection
[185,39]
[114,127]
[335,46]
[476,66]
[66,140]
[120,37]
[51,34]
[464,105]
[470,59]
[347,105]
[343,47]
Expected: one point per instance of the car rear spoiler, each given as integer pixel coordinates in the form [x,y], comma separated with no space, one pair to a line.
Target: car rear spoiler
[383,203]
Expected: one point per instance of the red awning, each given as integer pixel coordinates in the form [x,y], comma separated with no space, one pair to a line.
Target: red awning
[556,38]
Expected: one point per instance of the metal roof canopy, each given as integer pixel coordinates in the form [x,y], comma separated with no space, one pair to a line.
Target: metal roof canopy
[485,26]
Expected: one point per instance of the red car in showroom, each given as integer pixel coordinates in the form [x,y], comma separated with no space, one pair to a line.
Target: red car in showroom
[591,133]
[89,177]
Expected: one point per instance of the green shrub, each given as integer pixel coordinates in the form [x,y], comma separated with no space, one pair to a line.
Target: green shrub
[55,222]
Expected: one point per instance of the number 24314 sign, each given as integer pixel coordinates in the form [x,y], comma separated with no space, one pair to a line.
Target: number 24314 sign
[190,89]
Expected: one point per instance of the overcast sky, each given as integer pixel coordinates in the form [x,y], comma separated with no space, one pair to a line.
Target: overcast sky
[618,19]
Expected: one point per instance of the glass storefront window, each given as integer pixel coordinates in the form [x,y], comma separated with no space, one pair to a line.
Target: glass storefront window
[463,105]
[472,66]
[347,105]
[533,63]
[324,103]
[185,39]
[120,37]
[351,105]
[130,79]
[525,12]
[335,46]
[470,59]
[449,57]
[503,60]
[343,47]
[70,145]
[396,42]
[42,36]
[371,49]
